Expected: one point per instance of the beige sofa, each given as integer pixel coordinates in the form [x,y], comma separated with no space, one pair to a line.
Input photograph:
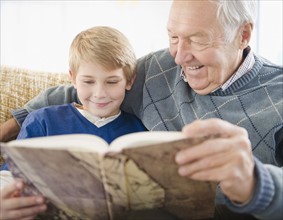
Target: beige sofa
[18,86]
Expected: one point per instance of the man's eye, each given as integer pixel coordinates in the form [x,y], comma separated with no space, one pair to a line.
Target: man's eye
[199,43]
[173,40]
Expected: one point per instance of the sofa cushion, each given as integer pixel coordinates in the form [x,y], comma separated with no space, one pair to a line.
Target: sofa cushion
[18,86]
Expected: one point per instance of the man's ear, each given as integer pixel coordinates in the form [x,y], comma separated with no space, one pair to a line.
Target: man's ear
[72,78]
[131,82]
[246,32]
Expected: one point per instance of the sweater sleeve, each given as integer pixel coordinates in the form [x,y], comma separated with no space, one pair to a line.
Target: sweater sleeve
[53,96]
[267,200]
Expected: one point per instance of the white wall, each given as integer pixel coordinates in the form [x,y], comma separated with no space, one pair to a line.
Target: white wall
[270,30]
[37,34]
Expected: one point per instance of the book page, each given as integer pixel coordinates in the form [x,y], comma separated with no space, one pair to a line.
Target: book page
[181,196]
[144,138]
[77,142]
[69,178]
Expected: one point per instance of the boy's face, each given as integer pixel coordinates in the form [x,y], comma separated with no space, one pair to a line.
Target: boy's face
[100,91]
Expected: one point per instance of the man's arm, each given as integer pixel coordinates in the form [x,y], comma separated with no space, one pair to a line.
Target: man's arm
[57,95]
[9,130]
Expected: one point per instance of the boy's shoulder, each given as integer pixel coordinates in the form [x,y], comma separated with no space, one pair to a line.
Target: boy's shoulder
[53,109]
[129,116]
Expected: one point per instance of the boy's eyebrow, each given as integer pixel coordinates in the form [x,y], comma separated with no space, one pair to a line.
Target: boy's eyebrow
[114,77]
[109,77]
[87,76]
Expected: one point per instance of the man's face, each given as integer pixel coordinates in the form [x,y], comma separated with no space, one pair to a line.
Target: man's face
[197,43]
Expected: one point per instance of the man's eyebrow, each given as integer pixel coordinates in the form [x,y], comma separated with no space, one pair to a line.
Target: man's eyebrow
[197,34]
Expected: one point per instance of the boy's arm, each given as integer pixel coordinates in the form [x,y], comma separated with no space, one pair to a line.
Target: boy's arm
[53,96]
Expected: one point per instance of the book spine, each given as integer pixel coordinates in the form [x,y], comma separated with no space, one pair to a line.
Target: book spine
[114,181]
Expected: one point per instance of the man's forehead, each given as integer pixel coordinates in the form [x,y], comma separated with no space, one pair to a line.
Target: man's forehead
[193,13]
[200,8]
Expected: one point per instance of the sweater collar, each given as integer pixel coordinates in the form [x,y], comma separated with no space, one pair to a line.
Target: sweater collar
[245,67]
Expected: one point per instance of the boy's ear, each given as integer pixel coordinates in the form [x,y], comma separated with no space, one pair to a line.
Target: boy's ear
[71,76]
[130,83]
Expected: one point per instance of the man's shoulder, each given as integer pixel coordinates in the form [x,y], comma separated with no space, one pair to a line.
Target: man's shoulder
[160,60]
[128,116]
[67,88]
[268,66]
[61,94]
[160,55]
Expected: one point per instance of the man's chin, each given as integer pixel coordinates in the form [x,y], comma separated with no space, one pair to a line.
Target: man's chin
[202,90]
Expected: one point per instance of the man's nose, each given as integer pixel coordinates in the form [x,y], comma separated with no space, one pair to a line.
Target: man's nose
[183,53]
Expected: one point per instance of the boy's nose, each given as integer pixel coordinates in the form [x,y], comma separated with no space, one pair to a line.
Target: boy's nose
[99,91]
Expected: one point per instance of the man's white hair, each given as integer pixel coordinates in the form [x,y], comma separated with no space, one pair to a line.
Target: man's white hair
[232,14]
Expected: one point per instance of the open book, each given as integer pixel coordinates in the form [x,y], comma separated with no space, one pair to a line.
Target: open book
[85,178]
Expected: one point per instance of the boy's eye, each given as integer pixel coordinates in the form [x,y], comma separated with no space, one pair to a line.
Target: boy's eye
[112,82]
[88,82]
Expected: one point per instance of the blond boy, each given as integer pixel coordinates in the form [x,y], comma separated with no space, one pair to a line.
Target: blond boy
[102,68]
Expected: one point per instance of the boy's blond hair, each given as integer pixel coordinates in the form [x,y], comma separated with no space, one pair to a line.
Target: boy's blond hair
[105,46]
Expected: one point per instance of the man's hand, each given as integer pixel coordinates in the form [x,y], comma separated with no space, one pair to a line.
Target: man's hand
[227,159]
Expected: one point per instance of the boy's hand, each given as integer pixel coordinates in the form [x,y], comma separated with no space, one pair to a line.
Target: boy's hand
[15,207]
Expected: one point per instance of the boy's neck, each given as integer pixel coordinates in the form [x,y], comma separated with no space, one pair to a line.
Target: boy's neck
[96,120]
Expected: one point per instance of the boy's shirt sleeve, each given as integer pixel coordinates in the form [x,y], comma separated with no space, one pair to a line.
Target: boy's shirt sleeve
[4,167]
[32,127]
[57,95]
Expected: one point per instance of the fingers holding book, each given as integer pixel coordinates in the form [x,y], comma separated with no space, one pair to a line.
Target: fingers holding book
[226,159]
[14,206]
